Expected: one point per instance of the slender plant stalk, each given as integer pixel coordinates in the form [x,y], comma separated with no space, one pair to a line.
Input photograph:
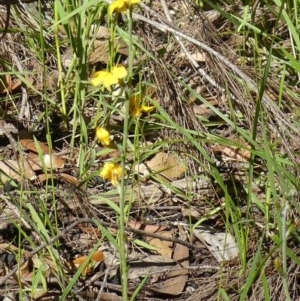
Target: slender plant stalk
[122,221]
[59,62]
[284,255]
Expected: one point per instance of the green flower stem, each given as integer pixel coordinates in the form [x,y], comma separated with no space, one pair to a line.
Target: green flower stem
[122,221]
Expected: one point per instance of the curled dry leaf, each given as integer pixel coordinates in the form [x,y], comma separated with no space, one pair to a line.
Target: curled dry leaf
[7,85]
[154,266]
[176,279]
[199,56]
[100,48]
[177,276]
[75,264]
[192,211]
[100,52]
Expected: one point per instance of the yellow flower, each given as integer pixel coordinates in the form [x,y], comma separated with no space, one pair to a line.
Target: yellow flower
[121,5]
[107,78]
[103,136]
[112,172]
[135,107]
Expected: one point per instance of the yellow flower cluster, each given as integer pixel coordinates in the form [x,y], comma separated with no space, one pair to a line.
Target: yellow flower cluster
[111,172]
[103,136]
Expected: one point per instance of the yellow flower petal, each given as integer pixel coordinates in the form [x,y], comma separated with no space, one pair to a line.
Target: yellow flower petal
[98,78]
[121,5]
[119,71]
[147,109]
[106,171]
[111,172]
[103,136]
[108,79]
[135,107]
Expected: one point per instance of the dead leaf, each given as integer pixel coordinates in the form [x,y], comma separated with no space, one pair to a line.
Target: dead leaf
[11,169]
[203,110]
[75,264]
[163,247]
[50,161]
[176,279]
[7,85]
[100,52]
[233,153]
[30,144]
[166,165]
[192,211]
[49,158]
[60,177]
[25,270]
[175,283]
[100,48]
[221,245]
[145,227]
[154,266]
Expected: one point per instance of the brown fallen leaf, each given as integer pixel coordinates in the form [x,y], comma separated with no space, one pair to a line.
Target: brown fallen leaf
[233,153]
[176,279]
[222,245]
[8,85]
[49,158]
[163,247]
[60,177]
[199,56]
[14,170]
[76,263]
[154,266]
[146,228]
[100,52]
[50,161]
[166,165]
[31,145]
